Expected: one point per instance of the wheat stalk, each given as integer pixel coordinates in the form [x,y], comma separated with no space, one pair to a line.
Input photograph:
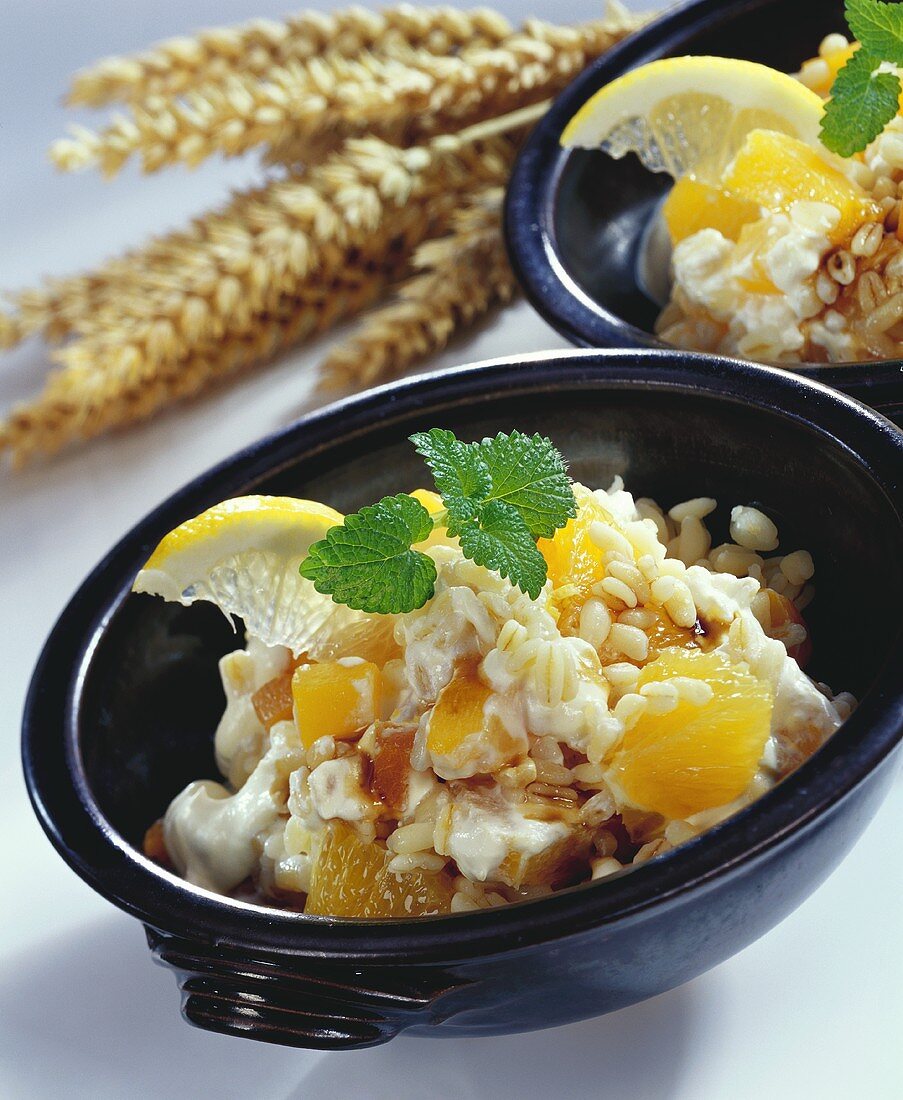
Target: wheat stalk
[78,404]
[333,95]
[460,277]
[399,127]
[175,66]
[382,202]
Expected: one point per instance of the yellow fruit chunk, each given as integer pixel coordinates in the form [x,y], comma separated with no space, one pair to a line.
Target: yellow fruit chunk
[439,536]
[462,739]
[775,171]
[561,864]
[693,205]
[575,563]
[335,700]
[371,637]
[430,500]
[819,73]
[695,757]
[351,879]
[755,240]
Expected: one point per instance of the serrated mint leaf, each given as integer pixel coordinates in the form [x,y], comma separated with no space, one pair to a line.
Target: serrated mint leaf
[862,103]
[368,562]
[529,474]
[500,539]
[461,476]
[879,28]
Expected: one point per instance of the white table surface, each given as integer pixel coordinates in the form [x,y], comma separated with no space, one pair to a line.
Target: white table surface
[813,1009]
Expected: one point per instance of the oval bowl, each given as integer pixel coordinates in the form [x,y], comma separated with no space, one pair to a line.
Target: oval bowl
[125,698]
[575,219]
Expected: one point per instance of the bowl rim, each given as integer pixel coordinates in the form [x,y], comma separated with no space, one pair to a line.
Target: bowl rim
[529,217]
[92,847]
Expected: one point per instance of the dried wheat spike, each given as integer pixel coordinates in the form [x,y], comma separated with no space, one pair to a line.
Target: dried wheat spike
[179,64]
[221,284]
[332,96]
[192,284]
[89,407]
[461,277]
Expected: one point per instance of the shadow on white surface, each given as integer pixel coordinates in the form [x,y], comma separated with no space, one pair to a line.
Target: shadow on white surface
[637,1053]
[112,1020]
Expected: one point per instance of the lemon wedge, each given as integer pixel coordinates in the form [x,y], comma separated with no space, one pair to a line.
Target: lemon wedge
[691,115]
[243,555]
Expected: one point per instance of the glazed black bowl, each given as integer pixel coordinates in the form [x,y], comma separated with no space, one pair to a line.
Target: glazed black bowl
[126,696]
[576,219]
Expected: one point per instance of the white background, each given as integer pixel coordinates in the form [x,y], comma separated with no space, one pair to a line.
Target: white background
[813,1009]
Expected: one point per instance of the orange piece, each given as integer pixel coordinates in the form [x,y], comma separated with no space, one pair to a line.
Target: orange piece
[335,700]
[755,239]
[783,611]
[392,766]
[351,879]
[574,561]
[695,757]
[371,638]
[154,845]
[692,205]
[439,536]
[835,60]
[273,701]
[775,170]
[665,634]
[562,864]
[462,739]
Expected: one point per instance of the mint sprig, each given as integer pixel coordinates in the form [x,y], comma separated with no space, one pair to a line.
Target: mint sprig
[367,562]
[879,28]
[863,98]
[500,495]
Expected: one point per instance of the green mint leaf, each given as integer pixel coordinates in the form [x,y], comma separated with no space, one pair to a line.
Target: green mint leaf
[862,103]
[461,476]
[368,562]
[500,539]
[879,27]
[529,474]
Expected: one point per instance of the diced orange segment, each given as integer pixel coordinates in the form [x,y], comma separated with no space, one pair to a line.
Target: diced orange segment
[155,845]
[430,500]
[439,536]
[664,633]
[462,739]
[775,170]
[335,699]
[697,756]
[754,241]
[574,561]
[561,864]
[813,71]
[693,205]
[351,879]
[372,638]
[273,701]
[783,611]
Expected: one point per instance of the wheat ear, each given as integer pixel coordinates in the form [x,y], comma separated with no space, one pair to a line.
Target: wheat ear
[460,277]
[336,95]
[177,65]
[386,202]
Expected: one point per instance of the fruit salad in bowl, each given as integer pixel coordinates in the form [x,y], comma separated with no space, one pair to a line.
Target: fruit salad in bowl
[459,698]
[706,186]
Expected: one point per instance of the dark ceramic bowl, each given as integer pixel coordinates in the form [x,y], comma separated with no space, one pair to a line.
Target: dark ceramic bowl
[576,219]
[126,696]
